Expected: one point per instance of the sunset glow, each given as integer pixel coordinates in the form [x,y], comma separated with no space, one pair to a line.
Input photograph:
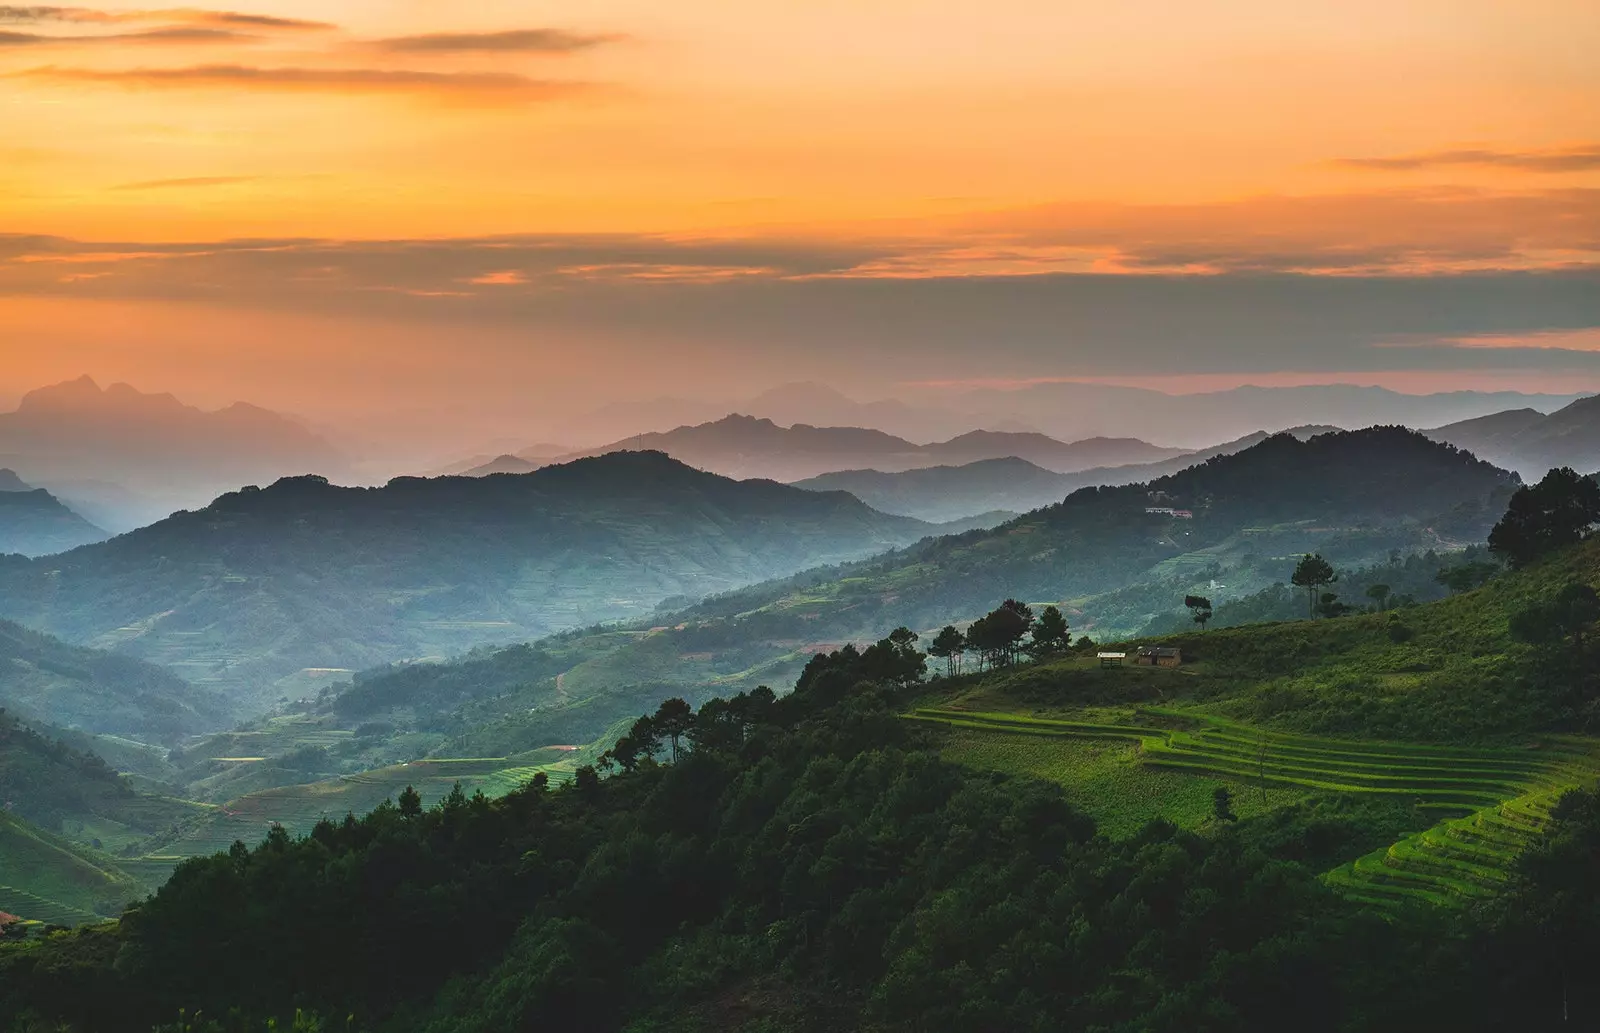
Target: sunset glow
[501,151]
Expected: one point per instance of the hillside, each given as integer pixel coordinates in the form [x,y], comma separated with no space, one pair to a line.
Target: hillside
[1313,812]
[1114,568]
[77,433]
[34,522]
[92,691]
[75,794]
[44,878]
[744,446]
[308,577]
[1531,442]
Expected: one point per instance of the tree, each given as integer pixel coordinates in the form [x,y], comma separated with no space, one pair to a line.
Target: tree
[1566,615]
[1328,605]
[410,803]
[948,646]
[1379,594]
[673,719]
[1199,608]
[896,659]
[1464,577]
[1558,511]
[1050,634]
[1312,573]
[1222,805]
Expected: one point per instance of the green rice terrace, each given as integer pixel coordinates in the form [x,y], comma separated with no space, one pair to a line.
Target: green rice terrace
[1489,802]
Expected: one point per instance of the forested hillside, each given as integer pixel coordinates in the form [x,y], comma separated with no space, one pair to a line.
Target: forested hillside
[263,584]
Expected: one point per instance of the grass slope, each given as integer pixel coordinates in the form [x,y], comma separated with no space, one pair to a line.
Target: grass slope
[46,879]
[1434,707]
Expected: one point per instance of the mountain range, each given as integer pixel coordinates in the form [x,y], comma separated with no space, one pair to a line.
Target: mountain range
[747,446]
[34,522]
[1113,558]
[1067,411]
[135,457]
[266,583]
[1531,442]
[946,493]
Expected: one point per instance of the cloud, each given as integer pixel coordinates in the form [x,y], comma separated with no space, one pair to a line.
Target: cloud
[191,181]
[1583,158]
[487,85]
[801,304]
[537,41]
[172,34]
[184,15]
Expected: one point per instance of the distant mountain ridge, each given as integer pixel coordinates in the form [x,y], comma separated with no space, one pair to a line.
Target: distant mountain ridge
[154,444]
[303,574]
[1070,411]
[1530,441]
[748,446]
[35,523]
[945,493]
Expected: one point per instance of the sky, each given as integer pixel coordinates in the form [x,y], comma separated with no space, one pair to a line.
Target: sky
[511,211]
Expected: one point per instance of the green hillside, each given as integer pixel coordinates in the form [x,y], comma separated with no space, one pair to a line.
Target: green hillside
[44,878]
[266,592]
[1060,845]
[100,693]
[1460,737]
[76,794]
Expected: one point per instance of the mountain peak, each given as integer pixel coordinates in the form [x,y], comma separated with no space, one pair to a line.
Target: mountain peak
[9,481]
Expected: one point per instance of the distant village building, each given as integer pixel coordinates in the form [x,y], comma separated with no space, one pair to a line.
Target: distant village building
[1159,656]
[1160,510]
[1183,514]
[1112,659]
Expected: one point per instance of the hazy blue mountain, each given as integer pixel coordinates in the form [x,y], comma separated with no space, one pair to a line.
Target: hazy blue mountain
[502,464]
[153,443]
[1072,410]
[1532,442]
[942,493]
[266,583]
[35,523]
[748,446]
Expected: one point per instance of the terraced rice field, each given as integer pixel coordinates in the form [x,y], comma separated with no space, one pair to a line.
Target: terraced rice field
[38,909]
[1491,802]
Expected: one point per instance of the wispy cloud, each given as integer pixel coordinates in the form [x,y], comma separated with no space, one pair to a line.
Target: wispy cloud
[188,182]
[503,86]
[538,41]
[36,15]
[1583,158]
[179,34]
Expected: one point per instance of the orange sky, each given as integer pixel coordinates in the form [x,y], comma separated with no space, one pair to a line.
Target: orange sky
[878,138]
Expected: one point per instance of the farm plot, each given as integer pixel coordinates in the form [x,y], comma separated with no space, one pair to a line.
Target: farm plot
[1491,802]
[38,909]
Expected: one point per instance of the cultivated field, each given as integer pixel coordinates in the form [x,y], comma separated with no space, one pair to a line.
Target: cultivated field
[1490,801]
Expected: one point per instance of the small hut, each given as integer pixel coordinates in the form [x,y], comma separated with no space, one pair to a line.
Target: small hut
[1159,656]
